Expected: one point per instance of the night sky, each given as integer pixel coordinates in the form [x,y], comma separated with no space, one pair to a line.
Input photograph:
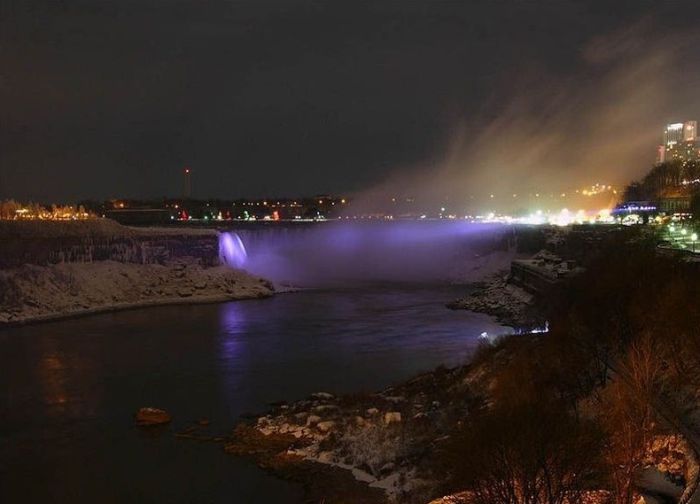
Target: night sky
[103,98]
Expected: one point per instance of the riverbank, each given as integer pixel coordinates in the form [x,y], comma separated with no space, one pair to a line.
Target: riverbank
[514,295]
[497,292]
[35,293]
[52,270]
[497,296]
[389,442]
[396,446]
[78,382]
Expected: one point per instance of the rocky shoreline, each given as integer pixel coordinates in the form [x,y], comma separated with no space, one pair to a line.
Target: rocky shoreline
[496,296]
[515,301]
[389,447]
[377,447]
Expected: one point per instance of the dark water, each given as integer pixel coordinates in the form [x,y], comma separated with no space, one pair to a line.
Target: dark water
[68,389]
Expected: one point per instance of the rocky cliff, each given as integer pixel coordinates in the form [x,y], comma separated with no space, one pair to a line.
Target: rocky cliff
[51,270]
[49,242]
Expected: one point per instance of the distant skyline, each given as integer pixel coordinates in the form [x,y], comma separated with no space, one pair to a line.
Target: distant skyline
[109,98]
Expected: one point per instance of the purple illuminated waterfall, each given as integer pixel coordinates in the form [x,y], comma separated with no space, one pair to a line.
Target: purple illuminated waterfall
[231,250]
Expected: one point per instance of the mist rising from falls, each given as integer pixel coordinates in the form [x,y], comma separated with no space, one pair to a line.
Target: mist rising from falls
[546,133]
[346,253]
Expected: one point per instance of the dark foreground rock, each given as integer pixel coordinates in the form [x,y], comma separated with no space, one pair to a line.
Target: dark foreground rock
[146,417]
[280,455]
[374,447]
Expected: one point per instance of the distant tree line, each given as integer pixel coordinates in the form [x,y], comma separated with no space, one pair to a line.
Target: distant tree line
[663,177]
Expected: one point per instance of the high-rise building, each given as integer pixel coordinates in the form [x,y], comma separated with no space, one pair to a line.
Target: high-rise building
[680,143]
[686,151]
[673,134]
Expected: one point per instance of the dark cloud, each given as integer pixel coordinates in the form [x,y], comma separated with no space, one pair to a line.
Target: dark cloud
[105,97]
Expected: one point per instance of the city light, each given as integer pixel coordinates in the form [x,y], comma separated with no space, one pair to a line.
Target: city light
[12,210]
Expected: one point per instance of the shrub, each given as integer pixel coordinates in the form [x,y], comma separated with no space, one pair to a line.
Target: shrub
[528,453]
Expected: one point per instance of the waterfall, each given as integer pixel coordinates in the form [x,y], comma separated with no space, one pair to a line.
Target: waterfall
[232,252]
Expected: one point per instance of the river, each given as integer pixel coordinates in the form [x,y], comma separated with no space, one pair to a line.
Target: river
[70,388]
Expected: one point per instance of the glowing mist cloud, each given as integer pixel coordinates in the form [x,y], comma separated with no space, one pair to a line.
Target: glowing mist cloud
[355,253]
[551,131]
[232,252]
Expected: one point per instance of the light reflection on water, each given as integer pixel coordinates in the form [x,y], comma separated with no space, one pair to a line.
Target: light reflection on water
[232,325]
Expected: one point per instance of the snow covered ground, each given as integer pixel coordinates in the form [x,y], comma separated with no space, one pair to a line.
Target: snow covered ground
[31,292]
[55,269]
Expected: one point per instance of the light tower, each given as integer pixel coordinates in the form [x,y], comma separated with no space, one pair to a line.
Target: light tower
[186,183]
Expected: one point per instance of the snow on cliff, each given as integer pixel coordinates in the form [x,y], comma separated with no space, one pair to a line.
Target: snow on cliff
[32,292]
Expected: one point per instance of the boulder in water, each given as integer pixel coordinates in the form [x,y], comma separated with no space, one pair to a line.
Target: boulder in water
[152,416]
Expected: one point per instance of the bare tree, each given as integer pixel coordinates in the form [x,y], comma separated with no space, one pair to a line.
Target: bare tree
[630,406]
[529,454]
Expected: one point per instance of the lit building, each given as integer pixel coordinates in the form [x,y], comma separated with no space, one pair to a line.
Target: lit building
[690,129]
[680,143]
[660,154]
[686,151]
[673,134]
